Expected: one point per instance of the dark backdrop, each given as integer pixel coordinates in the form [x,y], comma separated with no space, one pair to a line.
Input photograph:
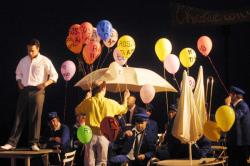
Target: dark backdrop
[146,22]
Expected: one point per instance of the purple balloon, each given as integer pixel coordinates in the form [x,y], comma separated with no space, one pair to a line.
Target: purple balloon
[68,70]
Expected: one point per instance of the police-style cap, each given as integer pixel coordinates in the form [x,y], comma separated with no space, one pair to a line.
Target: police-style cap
[172,108]
[141,115]
[236,90]
[52,115]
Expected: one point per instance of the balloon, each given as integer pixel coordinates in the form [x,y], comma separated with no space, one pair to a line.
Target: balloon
[172,63]
[110,42]
[74,44]
[225,117]
[75,30]
[94,36]
[68,70]
[118,57]
[87,30]
[84,134]
[126,45]
[212,131]
[187,57]
[191,82]
[104,29]
[110,128]
[204,45]
[147,93]
[163,47]
[91,52]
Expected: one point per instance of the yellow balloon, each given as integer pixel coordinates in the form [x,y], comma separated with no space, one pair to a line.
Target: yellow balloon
[225,117]
[126,45]
[187,57]
[212,131]
[163,47]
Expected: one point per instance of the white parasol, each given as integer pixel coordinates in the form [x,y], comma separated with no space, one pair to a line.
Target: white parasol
[119,78]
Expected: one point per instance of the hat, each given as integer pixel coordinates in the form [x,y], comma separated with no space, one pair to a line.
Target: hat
[172,108]
[52,115]
[236,90]
[141,115]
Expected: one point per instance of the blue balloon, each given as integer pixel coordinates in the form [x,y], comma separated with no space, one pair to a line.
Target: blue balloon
[104,29]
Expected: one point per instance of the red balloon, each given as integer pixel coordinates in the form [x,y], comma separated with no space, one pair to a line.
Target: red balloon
[204,45]
[75,30]
[87,30]
[74,44]
[91,52]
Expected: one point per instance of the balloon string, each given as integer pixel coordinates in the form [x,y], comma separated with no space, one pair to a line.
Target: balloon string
[218,75]
[164,73]
[65,101]
[81,67]
[105,57]
[174,78]
[99,57]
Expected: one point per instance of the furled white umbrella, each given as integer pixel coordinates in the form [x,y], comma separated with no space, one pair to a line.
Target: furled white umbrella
[119,78]
[187,125]
[199,97]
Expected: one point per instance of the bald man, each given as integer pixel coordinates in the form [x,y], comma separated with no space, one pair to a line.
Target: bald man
[131,103]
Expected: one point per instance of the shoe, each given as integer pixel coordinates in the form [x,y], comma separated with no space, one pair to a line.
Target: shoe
[8,147]
[34,147]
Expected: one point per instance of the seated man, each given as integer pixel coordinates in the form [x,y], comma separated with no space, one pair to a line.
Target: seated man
[59,134]
[139,148]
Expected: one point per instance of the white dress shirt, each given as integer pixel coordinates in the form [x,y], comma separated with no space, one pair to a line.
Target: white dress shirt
[36,71]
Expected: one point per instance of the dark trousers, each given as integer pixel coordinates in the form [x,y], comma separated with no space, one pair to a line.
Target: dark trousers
[29,108]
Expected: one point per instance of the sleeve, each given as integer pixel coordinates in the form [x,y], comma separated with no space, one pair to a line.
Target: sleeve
[241,110]
[53,75]
[119,109]
[81,108]
[19,74]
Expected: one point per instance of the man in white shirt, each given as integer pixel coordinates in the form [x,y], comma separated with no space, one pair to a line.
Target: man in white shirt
[34,73]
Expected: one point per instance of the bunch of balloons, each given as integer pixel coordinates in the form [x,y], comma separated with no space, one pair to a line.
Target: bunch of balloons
[84,38]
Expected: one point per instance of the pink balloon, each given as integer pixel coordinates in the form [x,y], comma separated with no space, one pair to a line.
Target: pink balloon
[147,93]
[172,63]
[68,70]
[118,57]
[204,45]
[191,82]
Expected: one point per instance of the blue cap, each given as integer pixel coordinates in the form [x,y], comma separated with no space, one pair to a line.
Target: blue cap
[236,90]
[141,115]
[52,115]
[172,107]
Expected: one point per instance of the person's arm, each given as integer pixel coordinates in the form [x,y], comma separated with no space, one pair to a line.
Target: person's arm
[19,76]
[19,84]
[45,84]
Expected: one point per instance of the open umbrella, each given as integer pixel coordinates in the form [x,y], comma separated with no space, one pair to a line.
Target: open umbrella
[119,78]
[187,125]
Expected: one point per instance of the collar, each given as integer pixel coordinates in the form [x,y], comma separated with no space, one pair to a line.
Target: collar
[236,102]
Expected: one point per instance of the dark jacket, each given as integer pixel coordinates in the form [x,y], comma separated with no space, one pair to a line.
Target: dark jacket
[148,145]
[64,134]
[239,134]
